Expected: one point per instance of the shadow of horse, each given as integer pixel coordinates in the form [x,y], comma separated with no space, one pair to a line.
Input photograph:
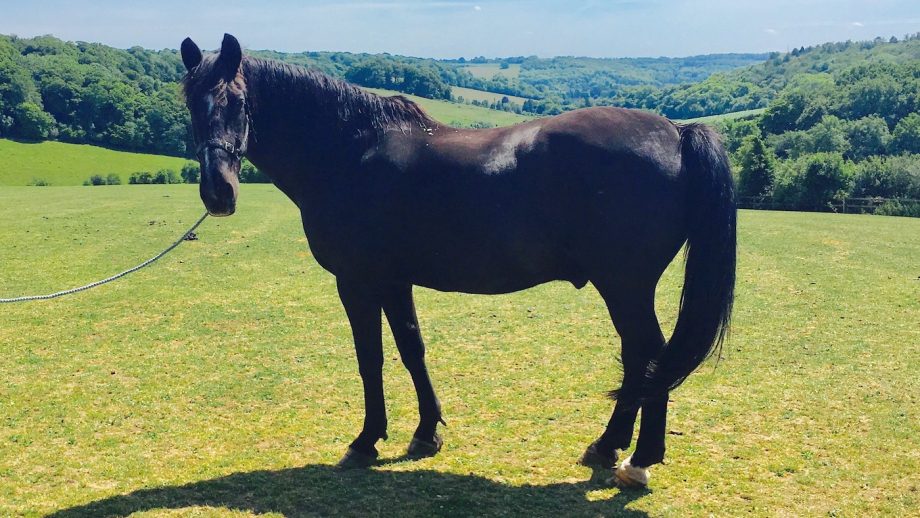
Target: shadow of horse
[321,490]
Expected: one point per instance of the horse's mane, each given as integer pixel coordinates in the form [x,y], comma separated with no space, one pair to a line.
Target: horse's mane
[321,94]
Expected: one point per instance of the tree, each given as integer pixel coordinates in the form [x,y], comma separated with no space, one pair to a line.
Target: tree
[888,177]
[755,176]
[191,172]
[814,181]
[166,176]
[906,136]
[140,178]
[31,122]
[829,136]
[867,136]
[249,174]
[95,180]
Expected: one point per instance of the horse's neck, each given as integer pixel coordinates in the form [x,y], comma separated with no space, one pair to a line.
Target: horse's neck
[296,139]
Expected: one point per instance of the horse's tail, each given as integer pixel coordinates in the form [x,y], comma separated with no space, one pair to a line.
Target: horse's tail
[709,277]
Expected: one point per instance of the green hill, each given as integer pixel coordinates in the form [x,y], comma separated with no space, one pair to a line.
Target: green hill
[462,115]
[756,86]
[58,163]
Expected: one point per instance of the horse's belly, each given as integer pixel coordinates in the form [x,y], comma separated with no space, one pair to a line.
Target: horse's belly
[494,271]
[491,285]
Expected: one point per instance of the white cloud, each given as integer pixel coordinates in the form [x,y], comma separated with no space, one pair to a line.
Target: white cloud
[858,24]
[770,31]
[477,8]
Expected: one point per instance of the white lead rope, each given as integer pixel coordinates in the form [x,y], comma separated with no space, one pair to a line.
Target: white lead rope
[108,279]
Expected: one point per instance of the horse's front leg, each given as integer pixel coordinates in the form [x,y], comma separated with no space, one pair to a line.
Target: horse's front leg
[400,311]
[362,305]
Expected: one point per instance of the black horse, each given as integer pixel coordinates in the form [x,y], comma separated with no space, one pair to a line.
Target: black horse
[390,198]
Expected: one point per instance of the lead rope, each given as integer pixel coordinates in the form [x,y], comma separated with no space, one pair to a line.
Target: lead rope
[108,279]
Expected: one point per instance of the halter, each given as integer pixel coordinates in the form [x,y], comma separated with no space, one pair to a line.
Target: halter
[223,145]
[236,151]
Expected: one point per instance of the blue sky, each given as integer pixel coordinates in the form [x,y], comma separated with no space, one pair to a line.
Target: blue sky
[453,28]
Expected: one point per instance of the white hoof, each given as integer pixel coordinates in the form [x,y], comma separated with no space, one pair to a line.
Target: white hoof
[628,475]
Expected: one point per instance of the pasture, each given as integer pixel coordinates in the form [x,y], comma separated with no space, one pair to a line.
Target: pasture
[222,380]
[710,119]
[470,94]
[489,70]
[455,114]
[71,164]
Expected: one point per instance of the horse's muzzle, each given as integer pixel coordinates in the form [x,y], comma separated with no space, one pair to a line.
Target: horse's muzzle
[220,201]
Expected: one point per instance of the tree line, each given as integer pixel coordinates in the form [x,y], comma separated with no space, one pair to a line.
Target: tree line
[190,173]
[825,137]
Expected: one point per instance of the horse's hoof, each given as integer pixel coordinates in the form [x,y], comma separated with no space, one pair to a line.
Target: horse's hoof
[629,476]
[595,459]
[419,448]
[354,459]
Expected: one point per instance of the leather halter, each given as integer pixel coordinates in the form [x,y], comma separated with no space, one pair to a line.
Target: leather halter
[223,145]
[236,151]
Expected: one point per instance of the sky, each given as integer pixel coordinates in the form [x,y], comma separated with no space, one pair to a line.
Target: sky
[455,28]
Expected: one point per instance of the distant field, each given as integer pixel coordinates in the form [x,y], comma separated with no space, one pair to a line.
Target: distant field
[727,116]
[71,164]
[460,114]
[488,70]
[469,94]
[222,382]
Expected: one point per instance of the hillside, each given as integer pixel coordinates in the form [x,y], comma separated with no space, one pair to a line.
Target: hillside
[58,163]
[755,86]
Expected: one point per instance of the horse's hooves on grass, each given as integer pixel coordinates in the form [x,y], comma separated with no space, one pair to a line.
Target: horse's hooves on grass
[355,459]
[419,448]
[595,459]
[629,476]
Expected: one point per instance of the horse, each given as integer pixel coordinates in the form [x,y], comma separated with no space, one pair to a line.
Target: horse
[391,199]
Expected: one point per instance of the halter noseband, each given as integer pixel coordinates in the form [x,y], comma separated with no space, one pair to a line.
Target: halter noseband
[223,145]
[226,146]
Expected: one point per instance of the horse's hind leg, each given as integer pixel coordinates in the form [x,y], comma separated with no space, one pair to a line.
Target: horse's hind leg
[400,311]
[632,309]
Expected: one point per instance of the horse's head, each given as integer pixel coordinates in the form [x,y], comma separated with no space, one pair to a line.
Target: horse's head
[215,94]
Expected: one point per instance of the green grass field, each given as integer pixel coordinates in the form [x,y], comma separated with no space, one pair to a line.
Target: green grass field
[456,114]
[726,116]
[71,164]
[469,95]
[489,70]
[222,382]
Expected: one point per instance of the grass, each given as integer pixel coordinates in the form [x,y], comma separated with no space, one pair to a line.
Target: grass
[489,70]
[463,115]
[727,116]
[221,381]
[469,95]
[71,164]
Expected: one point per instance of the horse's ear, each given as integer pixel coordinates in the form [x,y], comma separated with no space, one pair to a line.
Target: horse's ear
[231,55]
[191,54]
